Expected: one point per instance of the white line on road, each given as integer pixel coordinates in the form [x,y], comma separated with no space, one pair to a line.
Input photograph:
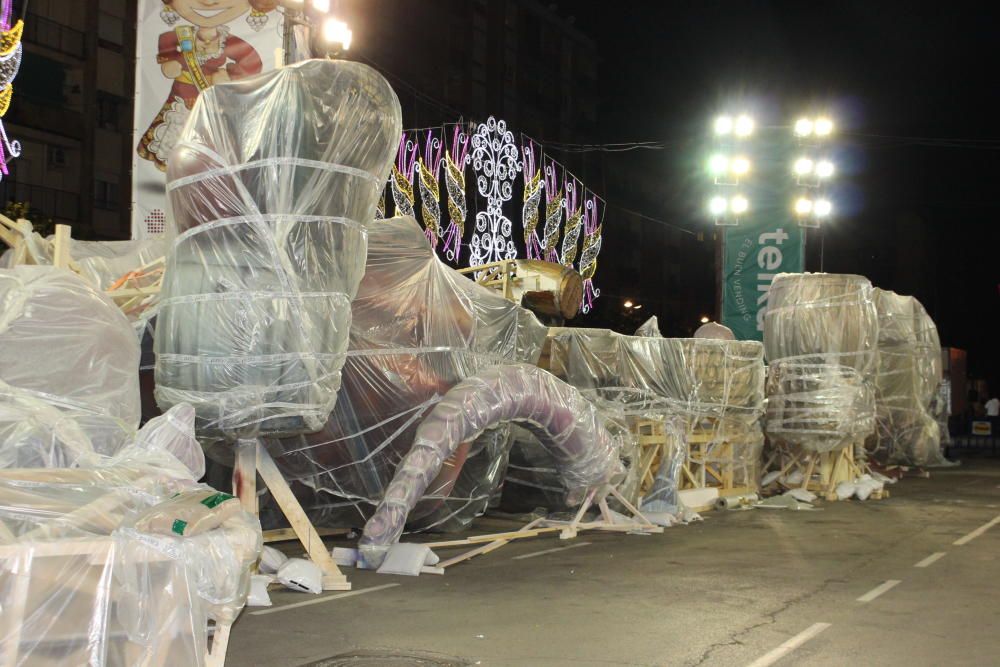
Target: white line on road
[933,558]
[790,645]
[550,551]
[328,598]
[978,531]
[878,590]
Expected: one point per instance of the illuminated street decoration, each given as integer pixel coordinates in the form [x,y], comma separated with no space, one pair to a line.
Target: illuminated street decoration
[533,188]
[428,174]
[553,211]
[10,62]
[593,217]
[455,158]
[496,162]
[574,219]
[401,181]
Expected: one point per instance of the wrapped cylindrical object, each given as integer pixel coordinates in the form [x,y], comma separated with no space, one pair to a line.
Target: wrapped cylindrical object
[418,329]
[821,407]
[909,374]
[820,338]
[271,185]
[81,584]
[571,428]
[66,350]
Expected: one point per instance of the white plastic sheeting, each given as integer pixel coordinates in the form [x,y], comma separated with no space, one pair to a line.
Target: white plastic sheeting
[820,338]
[271,185]
[908,378]
[569,426]
[66,351]
[81,584]
[419,328]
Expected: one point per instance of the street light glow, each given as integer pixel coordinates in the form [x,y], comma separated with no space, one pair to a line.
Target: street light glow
[739,204]
[704,319]
[740,166]
[803,166]
[717,205]
[723,125]
[824,169]
[803,206]
[718,164]
[803,127]
[822,208]
[628,303]
[823,126]
[321,5]
[743,126]
[337,32]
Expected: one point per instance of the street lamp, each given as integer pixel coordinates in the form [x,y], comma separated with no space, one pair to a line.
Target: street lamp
[334,34]
[704,319]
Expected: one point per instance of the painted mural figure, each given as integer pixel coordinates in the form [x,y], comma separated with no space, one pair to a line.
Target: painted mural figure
[196,55]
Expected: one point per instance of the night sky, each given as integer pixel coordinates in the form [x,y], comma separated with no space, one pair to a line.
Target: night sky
[918,142]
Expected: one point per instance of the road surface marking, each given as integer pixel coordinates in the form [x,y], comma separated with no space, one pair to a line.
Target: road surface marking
[878,590]
[550,551]
[977,532]
[933,558]
[790,645]
[337,596]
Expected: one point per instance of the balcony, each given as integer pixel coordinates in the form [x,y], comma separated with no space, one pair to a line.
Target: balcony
[60,205]
[52,35]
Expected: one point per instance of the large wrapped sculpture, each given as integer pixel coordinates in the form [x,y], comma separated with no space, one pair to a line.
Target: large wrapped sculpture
[419,328]
[820,338]
[707,393]
[909,374]
[121,560]
[68,352]
[271,185]
[570,428]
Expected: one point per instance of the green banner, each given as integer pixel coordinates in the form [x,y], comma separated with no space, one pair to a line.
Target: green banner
[753,253]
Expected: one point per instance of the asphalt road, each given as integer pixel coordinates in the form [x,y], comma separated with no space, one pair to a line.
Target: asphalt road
[753,587]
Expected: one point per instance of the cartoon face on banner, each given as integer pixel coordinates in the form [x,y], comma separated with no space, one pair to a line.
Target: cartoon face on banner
[185,46]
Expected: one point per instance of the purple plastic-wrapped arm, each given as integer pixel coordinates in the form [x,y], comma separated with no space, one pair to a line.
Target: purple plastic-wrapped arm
[568,426]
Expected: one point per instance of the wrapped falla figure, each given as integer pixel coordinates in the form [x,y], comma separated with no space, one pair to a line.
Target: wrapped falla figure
[270,186]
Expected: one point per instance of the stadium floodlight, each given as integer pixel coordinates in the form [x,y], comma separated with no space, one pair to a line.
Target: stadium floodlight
[337,32]
[718,164]
[803,166]
[718,205]
[824,169]
[822,208]
[823,126]
[740,166]
[739,204]
[803,127]
[743,126]
[803,206]
[723,125]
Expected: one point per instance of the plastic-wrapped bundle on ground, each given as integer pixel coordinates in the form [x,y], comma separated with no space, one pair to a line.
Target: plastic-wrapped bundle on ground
[909,374]
[419,328]
[572,429]
[122,560]
[820,337]
[271,185]
[712,390]
[67,351]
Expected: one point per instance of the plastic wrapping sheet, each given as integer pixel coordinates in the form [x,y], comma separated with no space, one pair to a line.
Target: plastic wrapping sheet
[66,351]
[418,329]
[909,374]
[818,406]
[821,341]
[571,428]
[270,186]
[711,390]
[81,584]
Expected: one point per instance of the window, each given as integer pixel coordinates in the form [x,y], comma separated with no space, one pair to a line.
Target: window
[105,195]
[111,112]
[110,31]
[55,157]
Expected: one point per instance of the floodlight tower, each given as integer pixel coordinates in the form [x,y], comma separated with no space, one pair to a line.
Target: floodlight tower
[812,170]
[728,167]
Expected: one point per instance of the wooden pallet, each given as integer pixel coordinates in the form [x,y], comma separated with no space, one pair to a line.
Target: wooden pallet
[822,472]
